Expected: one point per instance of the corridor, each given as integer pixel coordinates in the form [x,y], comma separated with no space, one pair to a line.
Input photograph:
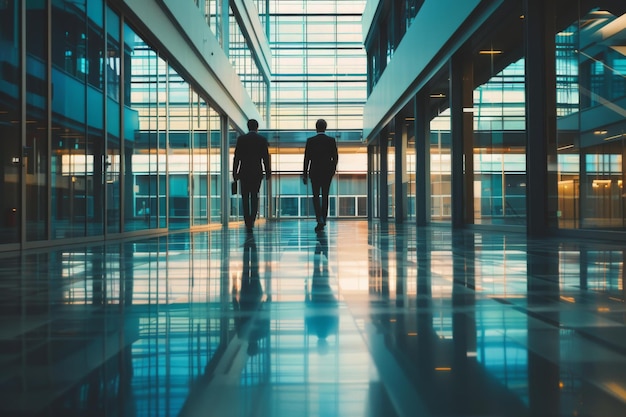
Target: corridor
[363,319]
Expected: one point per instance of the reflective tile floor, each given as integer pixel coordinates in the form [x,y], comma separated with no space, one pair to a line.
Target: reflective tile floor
[360,320]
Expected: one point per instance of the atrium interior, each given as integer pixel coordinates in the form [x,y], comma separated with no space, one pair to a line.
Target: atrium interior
[473,261]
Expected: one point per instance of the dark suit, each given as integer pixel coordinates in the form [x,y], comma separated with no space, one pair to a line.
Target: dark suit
[320,163]
[251,159]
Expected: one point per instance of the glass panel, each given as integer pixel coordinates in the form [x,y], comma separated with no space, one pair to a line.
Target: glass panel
[161,149]
[500,148]
[215,191]
[391,175]
[94,144]
[319,64]
[36,151]
[440,168]
[410,169]
[179,160]
[200,179]
[69,163]
[10,119]
[113,156]
[142,127]
[591,123]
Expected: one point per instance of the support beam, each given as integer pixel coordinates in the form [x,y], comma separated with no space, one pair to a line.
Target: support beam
[383,196]
[541,163]
[224,169]
[400,172]
[461,152]
[422,159]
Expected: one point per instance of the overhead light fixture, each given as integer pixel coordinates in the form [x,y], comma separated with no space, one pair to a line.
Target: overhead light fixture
[600,132]
[562,148]
[490,52]
[437,95]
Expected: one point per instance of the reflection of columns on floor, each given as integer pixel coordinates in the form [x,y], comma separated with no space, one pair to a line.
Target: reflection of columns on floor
[98,276]
[401,261]
[422,159]
[464,315]
[384,260]
[427,349]
[623,274]
[543,331]
[462,140]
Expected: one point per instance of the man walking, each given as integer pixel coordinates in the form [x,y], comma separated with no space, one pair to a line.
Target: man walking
[251,159]
[320,164]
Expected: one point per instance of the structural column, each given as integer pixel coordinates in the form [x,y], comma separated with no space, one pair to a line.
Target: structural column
[541,163]
[371,166]
[462,141]
[400,173]
[224,167]
[422,159]
[383,195]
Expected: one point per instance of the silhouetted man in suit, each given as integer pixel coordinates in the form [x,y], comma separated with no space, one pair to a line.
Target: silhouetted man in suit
[320,164]
[251,159]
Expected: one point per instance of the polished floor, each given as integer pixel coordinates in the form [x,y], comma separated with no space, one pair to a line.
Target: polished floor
[359,320]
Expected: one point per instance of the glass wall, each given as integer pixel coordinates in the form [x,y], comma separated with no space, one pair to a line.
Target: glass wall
[319,64]
[10,119]
[142,147]
[500,148]
[36,151]
[112,139]
[245,64]
[347,195]
[591,91]
[112,160]
[215,166]
[440,168]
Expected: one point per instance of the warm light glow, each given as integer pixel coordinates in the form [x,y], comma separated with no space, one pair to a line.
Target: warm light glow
[568,299]
[412,334]
[490,52]
[562,148]
[599,183]
[443,368]
[603,309]
[437,95]
[600,132]
[616,389]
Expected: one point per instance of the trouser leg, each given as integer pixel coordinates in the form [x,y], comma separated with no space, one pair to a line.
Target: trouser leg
[250,200]
[324,208]
[317,207]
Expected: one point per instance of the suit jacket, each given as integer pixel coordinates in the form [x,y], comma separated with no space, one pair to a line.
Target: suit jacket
[320,157]
[251,157]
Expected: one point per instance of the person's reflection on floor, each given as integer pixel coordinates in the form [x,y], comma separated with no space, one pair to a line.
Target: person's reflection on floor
[322,319]
[248,299]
